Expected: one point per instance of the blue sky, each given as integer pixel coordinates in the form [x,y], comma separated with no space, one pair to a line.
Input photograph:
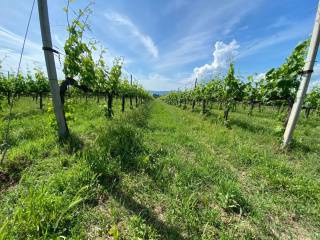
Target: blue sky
[167,44]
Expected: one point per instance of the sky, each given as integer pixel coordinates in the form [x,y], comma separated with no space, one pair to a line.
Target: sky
[167,44]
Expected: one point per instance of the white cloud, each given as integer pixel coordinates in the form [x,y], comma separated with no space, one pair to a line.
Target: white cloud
[313,84]
[10,48]
[163,82]
[156,81]
[186,50]
[280,23]
[199,32]
[258,77]
[235,19]
[223,16]
[145,40]
[10,39]
[297,30]
[223,55]
[174,5]
[60,43]
[316,71]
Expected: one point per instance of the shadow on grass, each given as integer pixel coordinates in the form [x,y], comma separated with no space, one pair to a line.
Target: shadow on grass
[6,181]
[158,171]
[212,116]
[12,170]
[72,143]
[112,185]
[166,232]
[33,112]
[300,146]
[120,150]
[248,126]
[312,122]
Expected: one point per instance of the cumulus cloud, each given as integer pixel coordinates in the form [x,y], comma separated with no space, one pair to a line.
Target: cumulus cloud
[259,76]
[156,81]
[223,55]
[145,40]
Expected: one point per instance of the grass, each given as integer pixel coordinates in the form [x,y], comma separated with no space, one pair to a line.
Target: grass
[159,172]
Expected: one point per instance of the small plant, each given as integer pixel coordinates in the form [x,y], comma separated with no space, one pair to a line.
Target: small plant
[69,112]
[231,199]
[227,124]
[279,129]
[138,229]
[69,108]
[114,232]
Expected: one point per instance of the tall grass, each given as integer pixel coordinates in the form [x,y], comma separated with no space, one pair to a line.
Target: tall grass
[59,181]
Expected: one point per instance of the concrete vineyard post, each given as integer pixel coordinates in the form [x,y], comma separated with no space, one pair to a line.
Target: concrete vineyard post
[51,68]
[307,72]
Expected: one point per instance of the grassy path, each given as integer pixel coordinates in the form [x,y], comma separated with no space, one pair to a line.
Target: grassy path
[159,172]
[205,181]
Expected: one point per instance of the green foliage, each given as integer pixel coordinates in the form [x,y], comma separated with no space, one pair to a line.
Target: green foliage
[125,88]
[312,99]
[231,87]
[251,90]
[113,83]
[94,76]
[277,87]
[78,61]
[282,83]
[232,90]
[41,83]
[114,232]
[69,110]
